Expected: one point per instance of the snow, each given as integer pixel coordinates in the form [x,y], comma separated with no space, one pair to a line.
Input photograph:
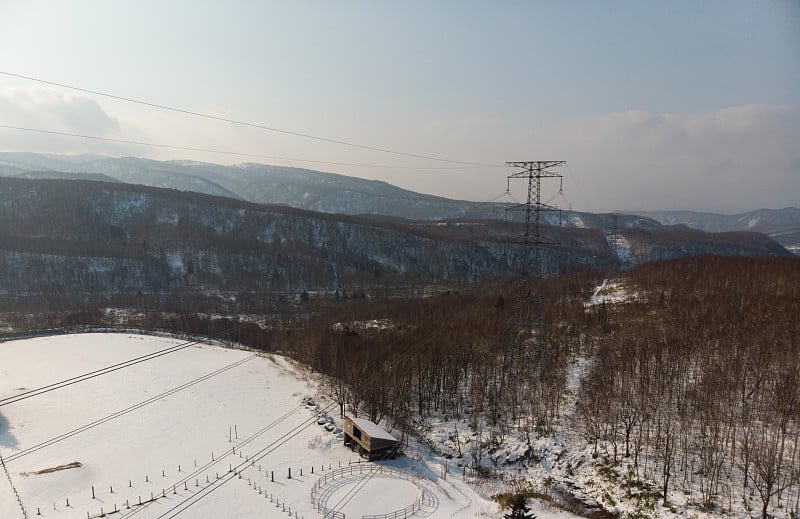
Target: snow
[170,218]
[577,221]
[372,430]
[610,292]
[623,249]
[371,325]
[752,222]
[186,439]
[175,261]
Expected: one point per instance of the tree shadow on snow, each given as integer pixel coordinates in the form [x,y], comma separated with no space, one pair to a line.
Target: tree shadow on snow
[6,438]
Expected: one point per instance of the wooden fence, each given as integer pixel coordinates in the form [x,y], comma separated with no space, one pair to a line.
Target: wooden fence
[368,471]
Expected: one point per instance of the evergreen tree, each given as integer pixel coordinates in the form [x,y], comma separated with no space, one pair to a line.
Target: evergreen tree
[519,508]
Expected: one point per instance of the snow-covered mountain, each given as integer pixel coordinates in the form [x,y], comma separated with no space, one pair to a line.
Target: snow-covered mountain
[83,239]
[340,194]
[782,225]
[259,183]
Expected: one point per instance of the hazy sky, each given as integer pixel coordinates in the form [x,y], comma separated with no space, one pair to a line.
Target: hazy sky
[654,105]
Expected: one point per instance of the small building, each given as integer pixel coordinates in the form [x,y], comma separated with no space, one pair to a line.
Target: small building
[369,439]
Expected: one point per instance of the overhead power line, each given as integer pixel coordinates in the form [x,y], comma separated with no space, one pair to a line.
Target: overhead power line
[243,123]
[126,410]
[188,502]
[224,152]
[96,373]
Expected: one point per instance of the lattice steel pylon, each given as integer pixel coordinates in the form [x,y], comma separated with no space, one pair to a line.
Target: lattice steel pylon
[533,207]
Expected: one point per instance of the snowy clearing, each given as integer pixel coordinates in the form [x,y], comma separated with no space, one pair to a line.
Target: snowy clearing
[178,454]
[611,292]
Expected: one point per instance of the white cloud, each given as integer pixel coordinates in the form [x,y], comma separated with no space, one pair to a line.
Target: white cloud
[732,160]
[51,110]
[55,111]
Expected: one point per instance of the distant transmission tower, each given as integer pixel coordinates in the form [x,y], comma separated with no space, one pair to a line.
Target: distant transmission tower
[533,297]
[613,237]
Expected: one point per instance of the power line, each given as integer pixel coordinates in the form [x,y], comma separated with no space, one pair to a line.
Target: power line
[251,438]
[242,123]
[225,152]
[269,449]
[358,487]
[125,411]
[96,373]
[261,454]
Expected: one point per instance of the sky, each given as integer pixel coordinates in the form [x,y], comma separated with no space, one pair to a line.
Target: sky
[679,105]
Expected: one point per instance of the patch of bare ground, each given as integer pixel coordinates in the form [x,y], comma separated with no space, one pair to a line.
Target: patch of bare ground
[73,465]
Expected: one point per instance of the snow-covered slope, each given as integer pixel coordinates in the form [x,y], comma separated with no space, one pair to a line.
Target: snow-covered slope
[178,444]
[782,225]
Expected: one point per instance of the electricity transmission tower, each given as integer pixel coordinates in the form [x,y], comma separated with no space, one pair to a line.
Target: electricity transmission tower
[531,298]
[613,237]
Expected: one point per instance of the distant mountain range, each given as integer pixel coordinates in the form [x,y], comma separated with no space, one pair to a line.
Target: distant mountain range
[782,225]
[339,194]
[111,243]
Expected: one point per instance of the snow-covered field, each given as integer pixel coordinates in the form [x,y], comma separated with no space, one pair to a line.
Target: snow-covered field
[188,438]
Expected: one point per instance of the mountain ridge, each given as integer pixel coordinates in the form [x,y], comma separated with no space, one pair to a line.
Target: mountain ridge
[783,225]
[67,240]
[340,194]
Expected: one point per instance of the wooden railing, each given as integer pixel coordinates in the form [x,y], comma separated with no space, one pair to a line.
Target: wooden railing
[370,471]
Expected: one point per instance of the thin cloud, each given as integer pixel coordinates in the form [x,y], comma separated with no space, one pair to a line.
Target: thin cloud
[731,160]
[48,109]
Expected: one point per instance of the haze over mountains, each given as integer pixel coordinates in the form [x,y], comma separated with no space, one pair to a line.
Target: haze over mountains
[782,225]
[332,193]
[77,240]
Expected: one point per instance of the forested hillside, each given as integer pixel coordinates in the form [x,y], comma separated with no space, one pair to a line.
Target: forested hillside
[63,241]
[686,392]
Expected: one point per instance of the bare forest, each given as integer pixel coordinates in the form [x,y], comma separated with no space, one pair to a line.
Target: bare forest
[692,385]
